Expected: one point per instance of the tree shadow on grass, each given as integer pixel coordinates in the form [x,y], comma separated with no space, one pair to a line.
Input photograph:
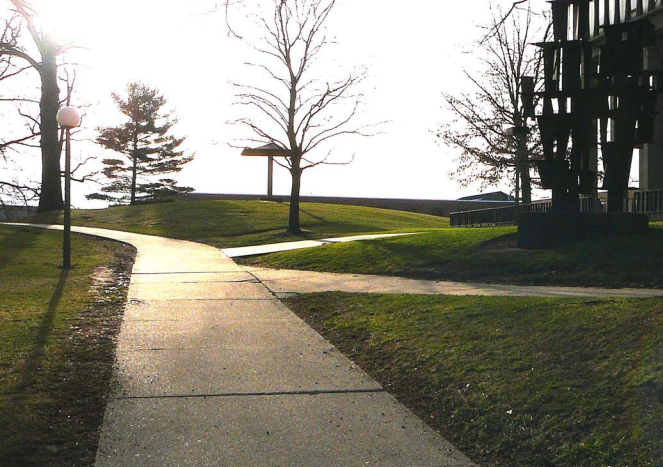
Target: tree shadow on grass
[14,242]
[36,354]
[22,430]
[318,218]
[338,227]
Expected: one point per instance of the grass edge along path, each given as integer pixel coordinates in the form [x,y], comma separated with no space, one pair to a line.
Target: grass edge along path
[57,344]
[488,255]
[513,381]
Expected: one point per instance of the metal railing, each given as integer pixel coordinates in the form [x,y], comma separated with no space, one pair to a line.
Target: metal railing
[643,202]
[647,202]
[496,216]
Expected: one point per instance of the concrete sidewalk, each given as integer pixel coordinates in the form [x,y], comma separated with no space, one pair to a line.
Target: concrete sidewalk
[284,282]
[299,245]
[212,370]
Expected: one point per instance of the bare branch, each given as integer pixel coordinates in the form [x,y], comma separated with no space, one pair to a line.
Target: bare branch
[19,99]
[6,144]
[325,162]
[29,117]
[231,31]
[497,25]
[6,75]
[9,49]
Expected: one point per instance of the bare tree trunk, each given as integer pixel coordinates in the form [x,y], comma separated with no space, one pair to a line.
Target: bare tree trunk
[51,187]
[134,169]
[296,155]
[293,223]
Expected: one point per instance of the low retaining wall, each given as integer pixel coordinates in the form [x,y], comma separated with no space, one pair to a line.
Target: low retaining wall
[14,213]
[549,229]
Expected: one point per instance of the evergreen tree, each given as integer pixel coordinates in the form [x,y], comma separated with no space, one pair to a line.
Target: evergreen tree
[148,149]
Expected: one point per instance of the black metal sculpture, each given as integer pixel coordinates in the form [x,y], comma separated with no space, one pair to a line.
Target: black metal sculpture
[594,93]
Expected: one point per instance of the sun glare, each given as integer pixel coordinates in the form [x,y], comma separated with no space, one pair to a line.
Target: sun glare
[58,19]
[101,26]
[78,21]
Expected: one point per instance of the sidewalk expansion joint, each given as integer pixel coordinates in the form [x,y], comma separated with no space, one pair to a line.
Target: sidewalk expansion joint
[256,394]
[182,272]
[252,281]
[135,301]
[213,347]
[261,282]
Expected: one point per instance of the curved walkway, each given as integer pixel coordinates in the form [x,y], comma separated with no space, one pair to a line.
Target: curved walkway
[213,370]
[283,282]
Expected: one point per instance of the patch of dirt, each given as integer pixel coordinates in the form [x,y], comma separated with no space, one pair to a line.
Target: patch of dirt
[101,277]
[82,390]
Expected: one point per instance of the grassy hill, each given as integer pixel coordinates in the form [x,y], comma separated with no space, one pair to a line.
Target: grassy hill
[241,223]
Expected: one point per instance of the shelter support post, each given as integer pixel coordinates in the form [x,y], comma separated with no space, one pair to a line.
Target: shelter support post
[270,176]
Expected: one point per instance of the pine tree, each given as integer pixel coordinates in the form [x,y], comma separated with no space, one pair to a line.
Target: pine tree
[148,149]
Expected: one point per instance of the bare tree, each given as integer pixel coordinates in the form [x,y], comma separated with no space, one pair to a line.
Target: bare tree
[10,69]
[481,118]
[16,188]
[294,108]
[50,196]
[12,191]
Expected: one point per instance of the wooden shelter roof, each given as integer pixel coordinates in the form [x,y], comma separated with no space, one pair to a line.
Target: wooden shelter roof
[271,149]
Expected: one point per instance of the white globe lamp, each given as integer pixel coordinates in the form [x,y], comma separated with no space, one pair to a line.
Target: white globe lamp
[69,117]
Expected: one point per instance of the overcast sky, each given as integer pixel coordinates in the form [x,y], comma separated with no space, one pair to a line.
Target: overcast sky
[412,52]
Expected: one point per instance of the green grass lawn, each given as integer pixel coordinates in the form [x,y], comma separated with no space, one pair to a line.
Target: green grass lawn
[241,223]
[513,381]
[489,255]
[56,344]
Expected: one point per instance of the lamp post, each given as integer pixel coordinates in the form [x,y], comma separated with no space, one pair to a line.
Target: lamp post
[68,118]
